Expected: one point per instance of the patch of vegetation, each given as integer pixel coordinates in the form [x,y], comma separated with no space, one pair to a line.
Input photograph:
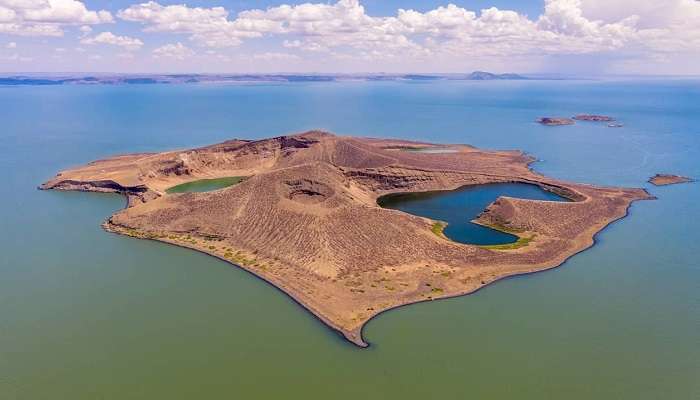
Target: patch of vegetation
[521,242]
[436,290]
[438,228]
[503,228]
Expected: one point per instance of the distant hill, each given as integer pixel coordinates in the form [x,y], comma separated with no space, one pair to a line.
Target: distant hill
[142,79]
[12,81]
[488,76]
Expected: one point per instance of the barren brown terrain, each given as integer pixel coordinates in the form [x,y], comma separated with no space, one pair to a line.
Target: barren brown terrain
[307,221]
[667,179]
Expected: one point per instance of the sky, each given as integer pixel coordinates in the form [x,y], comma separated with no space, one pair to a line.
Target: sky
[591,37]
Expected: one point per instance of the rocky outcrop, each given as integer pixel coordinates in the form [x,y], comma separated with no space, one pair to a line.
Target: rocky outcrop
[668,179]
[135,194]
[555,121]
[593,118]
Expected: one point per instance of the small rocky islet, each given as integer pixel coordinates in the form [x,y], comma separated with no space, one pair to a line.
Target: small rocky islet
[555,121]
[593,118]
[559,121]
[668,179]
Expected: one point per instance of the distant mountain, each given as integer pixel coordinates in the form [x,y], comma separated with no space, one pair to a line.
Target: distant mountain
[142,79]
[413,77]
[12,81]
[488,76]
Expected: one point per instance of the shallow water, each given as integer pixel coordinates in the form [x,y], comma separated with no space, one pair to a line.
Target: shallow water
[459,207]
[86,314]
[204,185]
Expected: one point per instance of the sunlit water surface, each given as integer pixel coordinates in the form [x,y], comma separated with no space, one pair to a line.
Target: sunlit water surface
[86,314]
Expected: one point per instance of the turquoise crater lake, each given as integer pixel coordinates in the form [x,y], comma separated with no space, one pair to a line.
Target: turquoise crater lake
[459,207]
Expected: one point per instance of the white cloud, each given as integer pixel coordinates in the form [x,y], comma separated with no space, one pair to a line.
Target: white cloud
[7,14]
[85,30]
[67,12]
[46,17]
[208,26]
[306,46]
[292,44]
[11,45]
[24,29]
[562,29]
[274,56]
[126,42]
[16,58]
[448,35]
[176,51]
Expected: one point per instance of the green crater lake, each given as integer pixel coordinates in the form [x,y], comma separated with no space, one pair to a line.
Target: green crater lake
[205,185]
[459,207]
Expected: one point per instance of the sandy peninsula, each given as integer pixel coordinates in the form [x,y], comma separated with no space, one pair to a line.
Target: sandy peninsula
[306,218]
[668,179]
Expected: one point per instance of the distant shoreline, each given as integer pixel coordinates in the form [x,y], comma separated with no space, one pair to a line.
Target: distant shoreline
[20,79]
[116,78]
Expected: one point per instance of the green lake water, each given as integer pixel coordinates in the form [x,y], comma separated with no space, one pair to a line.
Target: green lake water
[459,207]
[205,185]
[86,314]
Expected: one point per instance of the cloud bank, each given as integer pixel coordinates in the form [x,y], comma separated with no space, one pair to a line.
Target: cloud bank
[46,17]
[621,30]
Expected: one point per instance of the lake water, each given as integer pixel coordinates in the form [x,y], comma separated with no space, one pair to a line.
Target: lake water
[204,185]
[459,207]
[85,314]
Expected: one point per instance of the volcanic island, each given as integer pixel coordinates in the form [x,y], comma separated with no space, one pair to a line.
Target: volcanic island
[306,218]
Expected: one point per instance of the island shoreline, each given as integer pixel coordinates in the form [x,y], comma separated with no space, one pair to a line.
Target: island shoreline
[109,227]
[319,318]
[502,278]
[345,303]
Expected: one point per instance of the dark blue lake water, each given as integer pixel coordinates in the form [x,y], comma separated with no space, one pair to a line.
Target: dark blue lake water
[459,207]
